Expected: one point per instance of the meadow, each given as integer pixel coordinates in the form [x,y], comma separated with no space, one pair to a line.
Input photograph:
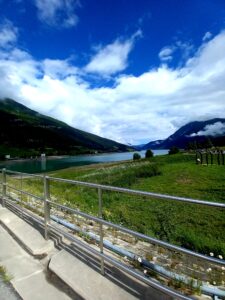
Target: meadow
[196,227]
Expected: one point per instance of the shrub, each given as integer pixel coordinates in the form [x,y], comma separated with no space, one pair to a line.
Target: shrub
[174,150]
[149,153]
[136,156]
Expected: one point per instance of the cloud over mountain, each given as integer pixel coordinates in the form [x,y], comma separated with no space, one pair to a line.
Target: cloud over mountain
[215,129]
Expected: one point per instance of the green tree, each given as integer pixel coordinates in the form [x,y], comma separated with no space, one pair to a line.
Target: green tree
[149,153]
[136,156]
[174,150]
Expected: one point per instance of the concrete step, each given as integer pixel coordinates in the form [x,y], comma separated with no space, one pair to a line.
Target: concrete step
[85,281]
[29,237]
[28,275]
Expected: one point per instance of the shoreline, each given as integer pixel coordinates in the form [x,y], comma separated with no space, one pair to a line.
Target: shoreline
[51,157]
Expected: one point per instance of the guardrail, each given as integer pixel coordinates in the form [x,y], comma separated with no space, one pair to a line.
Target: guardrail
[48,204]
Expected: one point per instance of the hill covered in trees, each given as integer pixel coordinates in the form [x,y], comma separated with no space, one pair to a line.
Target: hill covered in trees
[24,133]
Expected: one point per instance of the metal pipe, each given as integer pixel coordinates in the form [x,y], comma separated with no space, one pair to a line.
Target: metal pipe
[142,236]
[128,270]
[123,252]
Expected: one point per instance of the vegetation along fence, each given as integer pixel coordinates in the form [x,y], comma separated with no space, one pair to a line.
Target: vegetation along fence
[210,157]
[133,252]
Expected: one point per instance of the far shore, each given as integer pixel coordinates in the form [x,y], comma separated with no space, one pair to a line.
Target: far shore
[51,157]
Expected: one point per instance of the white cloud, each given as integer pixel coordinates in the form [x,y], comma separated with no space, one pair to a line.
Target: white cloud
[58,68]
[8,34]
[207,36]
[112,58]
[166,53]
[59,13]
[215,129]
[184,49]
[136,108]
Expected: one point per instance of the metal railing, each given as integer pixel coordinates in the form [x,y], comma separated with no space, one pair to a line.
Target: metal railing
[48,226]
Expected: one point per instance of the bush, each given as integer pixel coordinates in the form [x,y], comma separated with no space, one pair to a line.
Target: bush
[174,150]
[149,153]
[136,156]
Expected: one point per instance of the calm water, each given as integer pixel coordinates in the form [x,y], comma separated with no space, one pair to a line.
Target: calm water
[38,166]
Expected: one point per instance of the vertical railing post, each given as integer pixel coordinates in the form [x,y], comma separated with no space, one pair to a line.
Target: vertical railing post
[21,188]
[46,205]
[101,234]
[3,187]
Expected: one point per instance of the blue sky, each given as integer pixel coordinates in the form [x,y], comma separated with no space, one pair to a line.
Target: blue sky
[128,70]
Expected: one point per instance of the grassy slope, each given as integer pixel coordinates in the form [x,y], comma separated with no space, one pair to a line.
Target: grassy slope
[193,226]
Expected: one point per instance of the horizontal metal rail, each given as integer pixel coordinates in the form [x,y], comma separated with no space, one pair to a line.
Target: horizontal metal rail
[25,193]
[139,193]
[127,191]
[25,174]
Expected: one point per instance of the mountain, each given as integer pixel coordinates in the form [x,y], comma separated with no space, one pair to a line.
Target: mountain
[24,132]
[195,134]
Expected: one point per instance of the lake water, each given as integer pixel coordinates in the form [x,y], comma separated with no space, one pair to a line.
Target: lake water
[38,166]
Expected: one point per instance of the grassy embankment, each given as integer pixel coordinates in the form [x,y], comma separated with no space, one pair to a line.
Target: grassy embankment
[193,226]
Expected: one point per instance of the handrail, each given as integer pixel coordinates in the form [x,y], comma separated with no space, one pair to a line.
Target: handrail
[140,193]
[48,204]
[127,191]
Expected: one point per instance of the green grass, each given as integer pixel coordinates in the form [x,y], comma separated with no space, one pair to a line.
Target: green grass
[193,226]
[5,276]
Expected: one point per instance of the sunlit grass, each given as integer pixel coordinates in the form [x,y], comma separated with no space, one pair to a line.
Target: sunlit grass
[193,226]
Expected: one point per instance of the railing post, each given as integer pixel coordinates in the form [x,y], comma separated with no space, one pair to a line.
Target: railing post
[101,228]
[46,205]
[3,187]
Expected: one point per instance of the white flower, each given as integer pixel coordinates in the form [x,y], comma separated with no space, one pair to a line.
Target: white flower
[145,272]
[211,254]
[214,282]
[220,256]
[209,270]
[139,259]
[223,268]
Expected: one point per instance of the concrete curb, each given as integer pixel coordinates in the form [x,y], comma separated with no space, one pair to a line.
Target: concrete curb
[88,283]
[30,238]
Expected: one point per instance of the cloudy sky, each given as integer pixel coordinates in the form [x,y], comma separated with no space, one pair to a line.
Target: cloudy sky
[129,70]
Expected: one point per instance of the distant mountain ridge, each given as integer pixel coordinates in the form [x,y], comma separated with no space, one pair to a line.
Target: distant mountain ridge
[198,132]
[25,132]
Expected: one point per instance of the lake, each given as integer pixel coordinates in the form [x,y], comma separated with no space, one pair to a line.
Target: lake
[52,164]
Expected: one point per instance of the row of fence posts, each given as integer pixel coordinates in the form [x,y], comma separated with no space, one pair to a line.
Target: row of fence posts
[210,157]
[47,209]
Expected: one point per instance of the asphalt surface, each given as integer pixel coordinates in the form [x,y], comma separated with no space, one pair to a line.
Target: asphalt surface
[7,292]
